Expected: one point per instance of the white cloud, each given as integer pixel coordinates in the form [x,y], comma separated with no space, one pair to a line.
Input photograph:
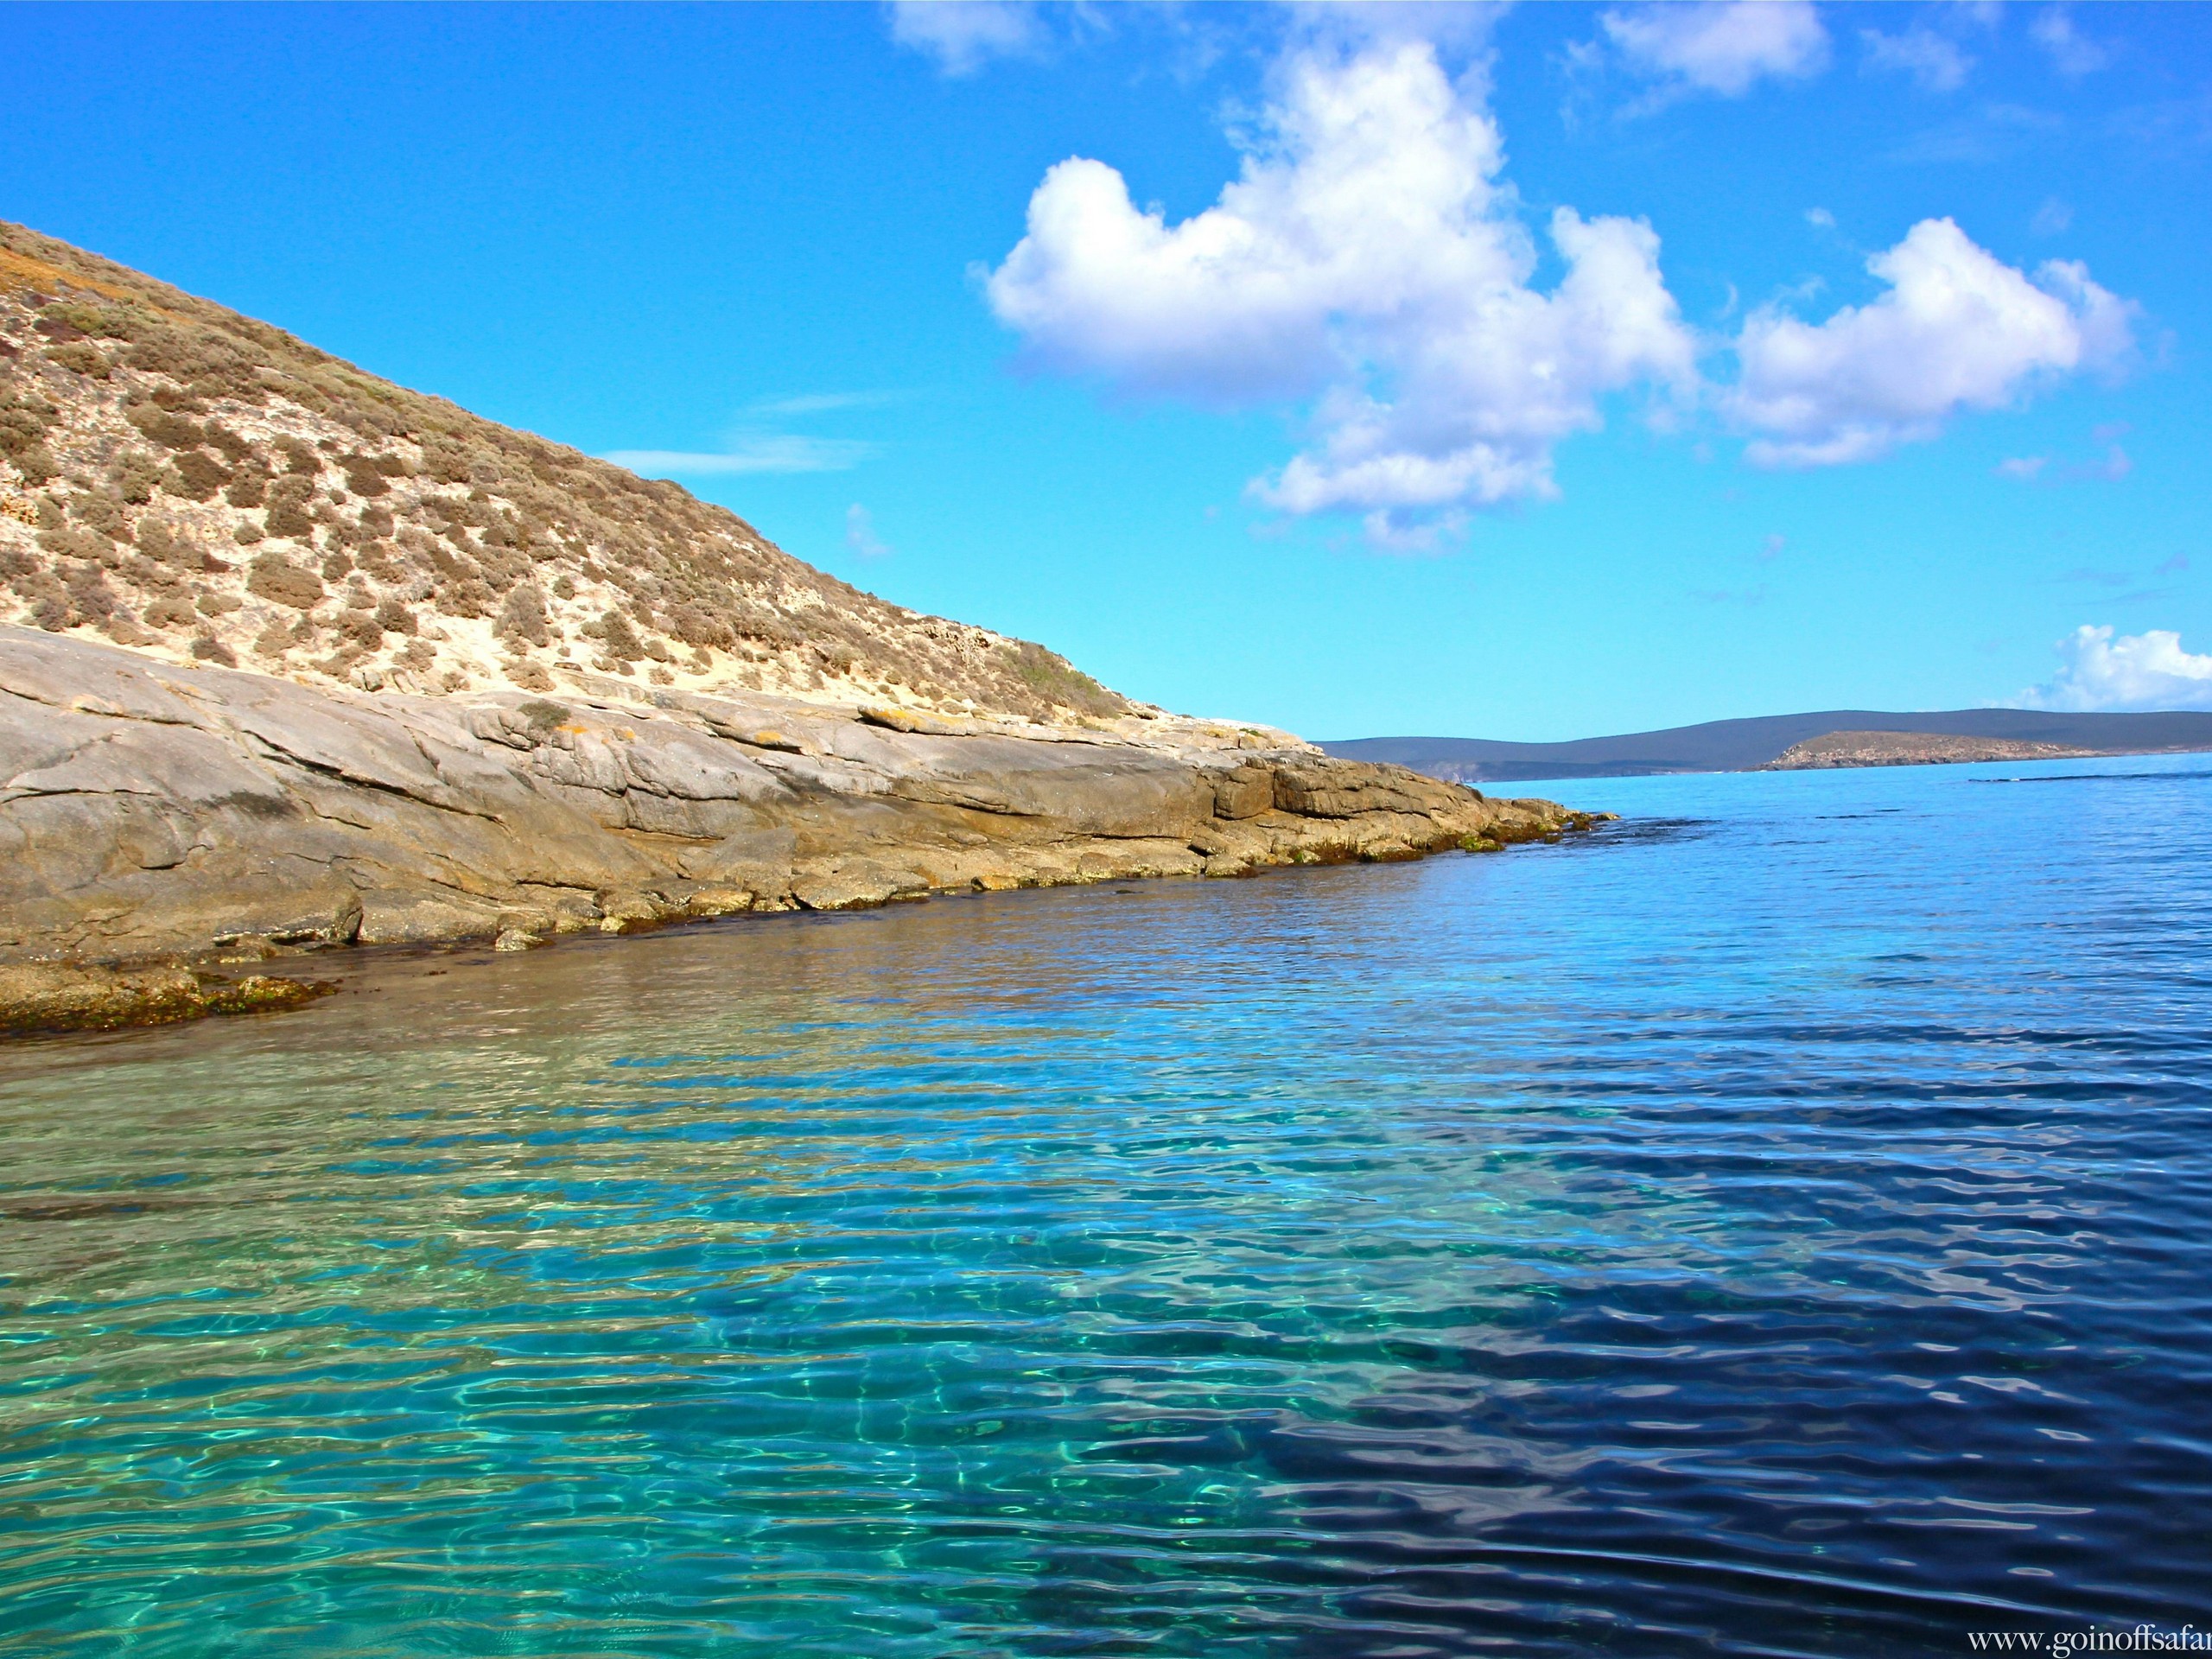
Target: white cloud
[859,533]
[2072,53]
[1452,25]
[817,402]
[2052,218]
[963,35]
[1724,47]
[1936,63]
[1956,330]
[2146,671]
[2114,467]
[1819,218]
[779,453]
[1368,256]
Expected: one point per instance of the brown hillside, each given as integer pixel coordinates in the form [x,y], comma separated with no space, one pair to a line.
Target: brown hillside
[200,486]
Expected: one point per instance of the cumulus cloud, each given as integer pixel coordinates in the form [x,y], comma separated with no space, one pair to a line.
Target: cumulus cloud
[2146,671]
[1936,62]
[1957,328]
[1367,257]
[2071,53]
[782,453]
[1724,47]
[2024,469]
[859,533]
[963,35]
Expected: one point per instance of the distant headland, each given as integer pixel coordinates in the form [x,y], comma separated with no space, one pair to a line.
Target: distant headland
[1790,742]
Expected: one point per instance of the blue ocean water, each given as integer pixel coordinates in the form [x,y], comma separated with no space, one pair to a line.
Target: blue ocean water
[1779,1223]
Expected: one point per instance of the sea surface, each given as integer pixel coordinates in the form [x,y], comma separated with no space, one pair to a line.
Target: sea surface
[1778,1224]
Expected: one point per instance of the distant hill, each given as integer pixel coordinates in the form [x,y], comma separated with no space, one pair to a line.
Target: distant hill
[1743,745]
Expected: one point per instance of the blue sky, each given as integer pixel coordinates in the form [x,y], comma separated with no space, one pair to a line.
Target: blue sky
[1543,371]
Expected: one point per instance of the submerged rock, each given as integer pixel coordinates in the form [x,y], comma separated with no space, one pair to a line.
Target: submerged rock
[71,996]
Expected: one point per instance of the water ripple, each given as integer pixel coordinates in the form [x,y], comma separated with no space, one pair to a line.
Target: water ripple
[1777,1225]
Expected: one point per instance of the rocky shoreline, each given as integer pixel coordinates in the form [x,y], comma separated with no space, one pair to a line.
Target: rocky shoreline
[174,838]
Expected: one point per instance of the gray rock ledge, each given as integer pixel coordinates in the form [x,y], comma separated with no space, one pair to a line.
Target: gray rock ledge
[157,820]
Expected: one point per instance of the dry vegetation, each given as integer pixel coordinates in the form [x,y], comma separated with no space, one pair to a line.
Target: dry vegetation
[181,480]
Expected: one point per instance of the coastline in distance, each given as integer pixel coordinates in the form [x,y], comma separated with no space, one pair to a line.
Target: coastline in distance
[1749,744]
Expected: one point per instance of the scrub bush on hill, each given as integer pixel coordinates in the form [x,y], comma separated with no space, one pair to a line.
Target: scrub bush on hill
[103,512]
[523,616]
[196,475]
[361,628]
[163,427]
[64,320]
[282,583]
[614,631]
[168,611]
[23,424]
[363,478]
[136,475]
[287,512]
[80,359]
[1059,681]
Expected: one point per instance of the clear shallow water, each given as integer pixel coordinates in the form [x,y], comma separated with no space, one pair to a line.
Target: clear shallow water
[1780,1224]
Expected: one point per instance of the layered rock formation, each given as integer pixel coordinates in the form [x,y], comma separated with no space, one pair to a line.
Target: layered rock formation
[1909,749]
[217,819]
[300,659]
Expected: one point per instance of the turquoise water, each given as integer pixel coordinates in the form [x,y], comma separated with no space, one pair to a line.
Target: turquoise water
[1778,1224]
